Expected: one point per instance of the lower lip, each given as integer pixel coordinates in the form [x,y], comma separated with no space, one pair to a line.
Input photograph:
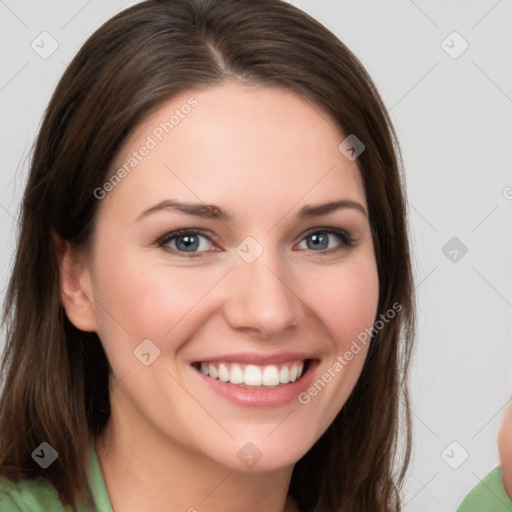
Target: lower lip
[262,398]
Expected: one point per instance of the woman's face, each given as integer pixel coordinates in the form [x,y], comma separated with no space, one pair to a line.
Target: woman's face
[273,271]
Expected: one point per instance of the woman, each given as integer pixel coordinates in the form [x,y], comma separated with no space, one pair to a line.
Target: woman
[211,304]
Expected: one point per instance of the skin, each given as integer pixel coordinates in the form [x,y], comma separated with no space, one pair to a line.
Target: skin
[261,153]
[505,449]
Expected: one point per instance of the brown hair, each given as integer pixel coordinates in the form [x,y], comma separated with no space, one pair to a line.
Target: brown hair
[56,377]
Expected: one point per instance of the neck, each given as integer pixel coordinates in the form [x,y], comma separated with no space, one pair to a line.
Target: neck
[144,471]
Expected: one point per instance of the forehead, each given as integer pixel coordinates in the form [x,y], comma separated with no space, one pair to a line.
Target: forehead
[233,141]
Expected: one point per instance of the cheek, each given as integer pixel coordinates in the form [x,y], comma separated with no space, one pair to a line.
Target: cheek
[137,301]
[345,299]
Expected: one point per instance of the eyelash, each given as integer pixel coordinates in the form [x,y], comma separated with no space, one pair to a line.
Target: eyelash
[347,241]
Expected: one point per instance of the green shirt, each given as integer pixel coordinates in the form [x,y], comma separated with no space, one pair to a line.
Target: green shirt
[41,496]
[489,495]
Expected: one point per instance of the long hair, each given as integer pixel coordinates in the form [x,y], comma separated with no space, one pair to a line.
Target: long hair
[56,377]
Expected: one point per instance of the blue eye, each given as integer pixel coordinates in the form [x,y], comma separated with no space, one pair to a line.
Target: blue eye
[320,240]
[186,241]
[191,242]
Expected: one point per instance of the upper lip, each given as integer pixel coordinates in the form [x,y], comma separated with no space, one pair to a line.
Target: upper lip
[257,358]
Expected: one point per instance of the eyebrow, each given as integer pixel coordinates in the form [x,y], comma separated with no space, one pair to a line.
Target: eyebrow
[211,211]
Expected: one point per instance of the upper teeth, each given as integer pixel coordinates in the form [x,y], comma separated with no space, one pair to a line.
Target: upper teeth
[252,375]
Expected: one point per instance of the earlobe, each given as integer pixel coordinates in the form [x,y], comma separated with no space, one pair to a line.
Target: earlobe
[75,285]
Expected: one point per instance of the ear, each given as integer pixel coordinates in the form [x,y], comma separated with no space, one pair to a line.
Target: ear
[75,285]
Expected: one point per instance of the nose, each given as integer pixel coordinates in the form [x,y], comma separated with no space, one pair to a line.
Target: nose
[260,298]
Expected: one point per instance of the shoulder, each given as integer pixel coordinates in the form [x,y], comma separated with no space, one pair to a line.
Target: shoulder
[28,496]
[488,495]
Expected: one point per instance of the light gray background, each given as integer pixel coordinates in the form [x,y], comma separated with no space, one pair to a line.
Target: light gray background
[454,122]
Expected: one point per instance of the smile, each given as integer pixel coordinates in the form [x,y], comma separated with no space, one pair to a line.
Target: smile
[254,376]
[257,381]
